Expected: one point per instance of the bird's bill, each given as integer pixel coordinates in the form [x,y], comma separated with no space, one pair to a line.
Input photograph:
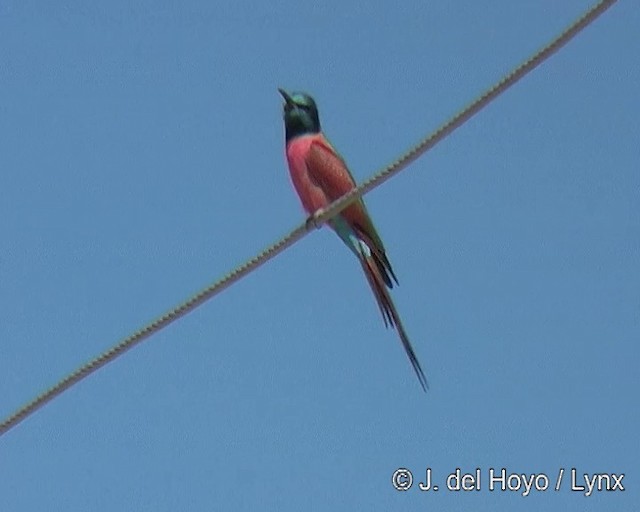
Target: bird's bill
[287,98]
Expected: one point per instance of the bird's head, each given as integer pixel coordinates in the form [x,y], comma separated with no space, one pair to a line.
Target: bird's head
[300,114]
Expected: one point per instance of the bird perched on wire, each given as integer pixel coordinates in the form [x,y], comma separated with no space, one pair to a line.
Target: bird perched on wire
[320,176]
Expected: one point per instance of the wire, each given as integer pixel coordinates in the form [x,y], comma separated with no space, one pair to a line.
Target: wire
[315,221]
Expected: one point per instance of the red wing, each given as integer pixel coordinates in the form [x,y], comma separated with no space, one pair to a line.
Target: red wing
[331,173]
[328,170]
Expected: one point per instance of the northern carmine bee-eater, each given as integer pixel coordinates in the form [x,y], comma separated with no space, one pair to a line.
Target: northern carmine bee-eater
[320,176]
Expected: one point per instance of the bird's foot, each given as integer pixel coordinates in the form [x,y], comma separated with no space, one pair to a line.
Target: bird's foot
[312,220]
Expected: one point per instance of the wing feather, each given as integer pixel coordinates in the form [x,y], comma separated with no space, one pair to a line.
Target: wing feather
[330,172]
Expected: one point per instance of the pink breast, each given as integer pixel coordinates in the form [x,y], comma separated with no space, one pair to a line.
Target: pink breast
[311,194]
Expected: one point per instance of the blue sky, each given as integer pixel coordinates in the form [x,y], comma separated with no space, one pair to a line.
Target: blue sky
[142,158]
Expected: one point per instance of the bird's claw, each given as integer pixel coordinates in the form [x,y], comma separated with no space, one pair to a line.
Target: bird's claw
[312,220]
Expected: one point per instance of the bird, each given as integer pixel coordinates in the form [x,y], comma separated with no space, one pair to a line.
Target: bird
[320,176]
